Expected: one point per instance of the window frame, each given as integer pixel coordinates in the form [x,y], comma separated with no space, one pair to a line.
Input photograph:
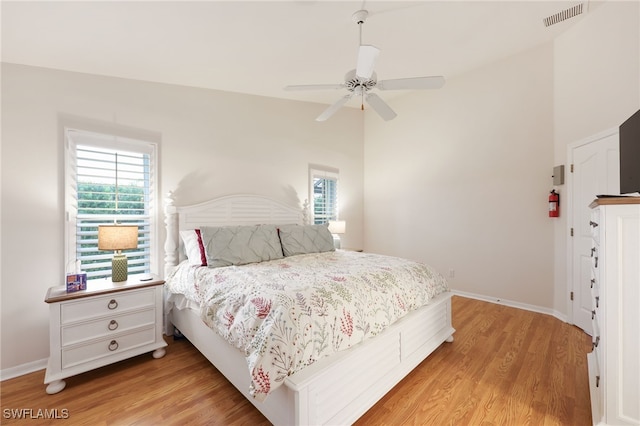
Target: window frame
[329,173]
[111,140]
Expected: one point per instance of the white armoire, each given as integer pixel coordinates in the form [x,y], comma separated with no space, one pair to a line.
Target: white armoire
[614,363]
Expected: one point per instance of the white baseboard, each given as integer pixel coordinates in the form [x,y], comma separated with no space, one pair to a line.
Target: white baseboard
[22,369]
[512,304]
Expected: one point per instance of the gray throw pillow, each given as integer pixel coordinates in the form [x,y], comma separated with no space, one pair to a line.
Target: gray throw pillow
[239,245]
[302,239]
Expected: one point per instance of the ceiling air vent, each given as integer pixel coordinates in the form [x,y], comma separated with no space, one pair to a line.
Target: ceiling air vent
[563,15]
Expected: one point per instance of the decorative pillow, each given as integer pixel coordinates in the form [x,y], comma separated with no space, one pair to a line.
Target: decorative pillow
[193,247]
[301,239]
[239,245]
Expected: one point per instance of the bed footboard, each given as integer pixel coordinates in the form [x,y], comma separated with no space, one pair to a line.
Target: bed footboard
[341,388]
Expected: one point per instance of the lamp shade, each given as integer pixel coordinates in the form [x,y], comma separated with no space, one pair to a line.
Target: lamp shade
[117,237]
[337,226]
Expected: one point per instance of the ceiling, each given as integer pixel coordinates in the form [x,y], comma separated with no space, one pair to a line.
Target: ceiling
[259,47]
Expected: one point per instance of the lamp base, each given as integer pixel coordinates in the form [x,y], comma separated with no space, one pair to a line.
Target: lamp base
[119,268]
[336,241]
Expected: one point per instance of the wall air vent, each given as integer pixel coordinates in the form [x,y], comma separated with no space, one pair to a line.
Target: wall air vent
[563,15]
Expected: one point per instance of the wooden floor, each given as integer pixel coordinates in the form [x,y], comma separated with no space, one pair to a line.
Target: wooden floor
[506,367]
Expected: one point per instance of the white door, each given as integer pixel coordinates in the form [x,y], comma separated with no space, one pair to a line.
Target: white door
[596,170]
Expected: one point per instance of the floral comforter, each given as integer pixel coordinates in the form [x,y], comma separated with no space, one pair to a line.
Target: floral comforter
[286,314]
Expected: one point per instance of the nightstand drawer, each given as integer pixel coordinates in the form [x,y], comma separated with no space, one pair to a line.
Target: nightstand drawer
[595,225]
[115,303]
[107,326]
[595,339]
[106,347]
[595,388]
[594,259]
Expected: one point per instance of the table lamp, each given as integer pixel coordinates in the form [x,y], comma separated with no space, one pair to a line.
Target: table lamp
[337,227]
[118,238]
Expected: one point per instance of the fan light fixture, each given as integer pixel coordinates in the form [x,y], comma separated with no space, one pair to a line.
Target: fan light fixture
[361,80]
[367,54]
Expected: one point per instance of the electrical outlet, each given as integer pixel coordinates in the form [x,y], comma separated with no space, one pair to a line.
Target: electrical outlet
[452,273]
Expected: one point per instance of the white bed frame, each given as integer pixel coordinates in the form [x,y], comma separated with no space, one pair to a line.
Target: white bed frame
[335,390]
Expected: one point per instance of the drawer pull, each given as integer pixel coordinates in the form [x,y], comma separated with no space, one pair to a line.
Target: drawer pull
[593,250]
[597,381]
[113,304]
[597,301]
[593,314]
[595,344]
[593,224]
[593,281]
[596,259]
[113,324]
[113,345]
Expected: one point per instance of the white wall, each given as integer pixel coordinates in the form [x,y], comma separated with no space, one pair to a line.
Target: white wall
[460,179]
[213,142]
[596,88]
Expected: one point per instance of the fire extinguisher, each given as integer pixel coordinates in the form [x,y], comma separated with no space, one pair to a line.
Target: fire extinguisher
[554,204]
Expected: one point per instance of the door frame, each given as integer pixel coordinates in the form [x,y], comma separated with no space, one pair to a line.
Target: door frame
[569,223]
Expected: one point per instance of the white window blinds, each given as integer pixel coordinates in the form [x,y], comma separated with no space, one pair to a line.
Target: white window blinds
[109,180]
[324,193]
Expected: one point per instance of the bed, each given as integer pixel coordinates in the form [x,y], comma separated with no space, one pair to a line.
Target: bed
[329,389]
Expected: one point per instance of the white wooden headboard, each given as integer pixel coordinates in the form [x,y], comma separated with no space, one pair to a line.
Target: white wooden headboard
[224,211]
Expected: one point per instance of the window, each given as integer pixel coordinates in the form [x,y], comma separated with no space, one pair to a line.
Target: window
[324,193]
[110,179]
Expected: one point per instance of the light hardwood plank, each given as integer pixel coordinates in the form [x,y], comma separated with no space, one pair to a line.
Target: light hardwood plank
[506,367]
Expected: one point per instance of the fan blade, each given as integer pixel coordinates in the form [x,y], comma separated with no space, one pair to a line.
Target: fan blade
[367,56]
[333,108]
[380,106]
[315,87]
[434,82]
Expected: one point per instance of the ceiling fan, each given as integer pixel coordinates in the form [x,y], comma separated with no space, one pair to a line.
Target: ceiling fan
[360,81]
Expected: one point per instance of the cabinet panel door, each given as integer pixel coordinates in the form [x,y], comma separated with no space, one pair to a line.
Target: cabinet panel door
[596,171]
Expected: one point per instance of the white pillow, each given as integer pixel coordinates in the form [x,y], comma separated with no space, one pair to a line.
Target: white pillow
[193,247]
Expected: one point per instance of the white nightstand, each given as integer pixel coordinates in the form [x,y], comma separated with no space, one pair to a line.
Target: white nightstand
[105,323]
